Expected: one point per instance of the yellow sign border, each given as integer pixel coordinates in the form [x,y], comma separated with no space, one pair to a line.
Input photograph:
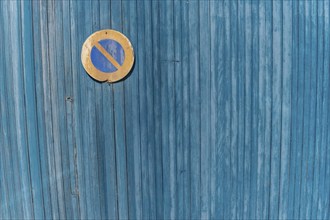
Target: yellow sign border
[93,40]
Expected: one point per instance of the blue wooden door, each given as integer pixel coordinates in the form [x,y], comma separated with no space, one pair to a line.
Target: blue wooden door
[226,113]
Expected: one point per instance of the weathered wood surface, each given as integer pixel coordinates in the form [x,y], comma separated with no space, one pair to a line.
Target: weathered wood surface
[225,115]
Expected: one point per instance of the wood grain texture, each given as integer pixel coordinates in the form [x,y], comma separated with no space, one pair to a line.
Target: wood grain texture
[225,114]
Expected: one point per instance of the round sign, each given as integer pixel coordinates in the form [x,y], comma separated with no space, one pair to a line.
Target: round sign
[107,55]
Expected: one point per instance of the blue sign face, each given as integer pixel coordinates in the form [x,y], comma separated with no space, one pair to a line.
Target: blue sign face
[101,62]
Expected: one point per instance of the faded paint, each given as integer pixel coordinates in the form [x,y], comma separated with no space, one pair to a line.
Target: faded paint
[225,116]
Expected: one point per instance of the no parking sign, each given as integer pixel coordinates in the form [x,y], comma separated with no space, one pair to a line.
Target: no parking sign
[107,55]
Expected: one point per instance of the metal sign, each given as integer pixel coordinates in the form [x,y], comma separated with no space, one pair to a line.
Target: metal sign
[107,55]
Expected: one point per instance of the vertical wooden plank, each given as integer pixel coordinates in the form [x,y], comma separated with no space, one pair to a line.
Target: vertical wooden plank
[4,126]
[255,105]
[94,123]
[38,69]
[308,117]
[47,154]
[30,106]
[224,113]
[241,107]
[276,110]
[3,200]
[11,154]
[5,176]
[261,110]
[168,108]
[319,99]
[87,161]
[86,88]
[61,129]
[126,10]
[89,124]
[19,110]
[77,39]
[98,14]
[294,100]
[325,117]
[286,107]
[309,172]
[172,108]
[132,122]
[299,110]
[186,174]
[306,111]
[205,93]
[149,118]
[137,123]
[68,153]
[109,162]
[54,66]
[216,22]
[165,31]
[11,160]
[233,144]
[268,106]
[126,7]
[156,53]
[178,81]
[194,96]
[248,110]
[142,23]
[326,190]
[119,124]
[73,151]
